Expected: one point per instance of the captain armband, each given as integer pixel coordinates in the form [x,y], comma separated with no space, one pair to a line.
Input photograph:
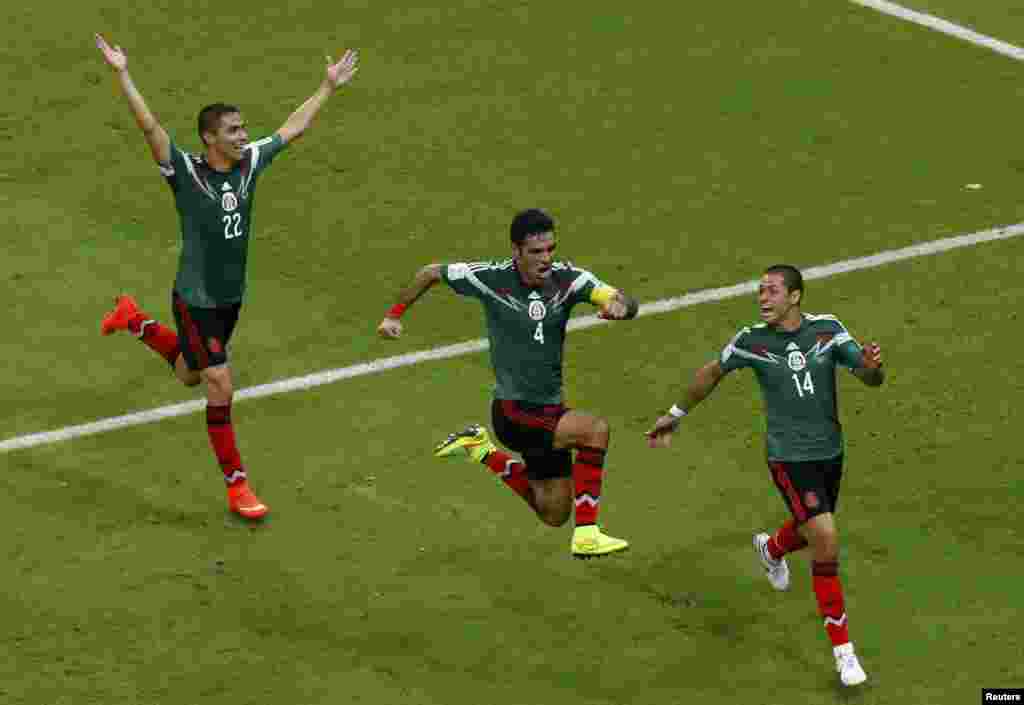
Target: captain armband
[602,295]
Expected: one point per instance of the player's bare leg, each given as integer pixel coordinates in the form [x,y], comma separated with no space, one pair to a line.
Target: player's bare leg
[219,393]
[189,378]
[820,533]
[553,499]
[589,436]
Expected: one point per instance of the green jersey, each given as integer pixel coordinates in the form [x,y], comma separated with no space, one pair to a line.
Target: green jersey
[215,210]
[525,325]
[796,372]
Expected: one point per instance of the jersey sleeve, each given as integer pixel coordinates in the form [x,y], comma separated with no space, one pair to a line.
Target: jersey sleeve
[459,276]
[582,285]
[265,150]
[732,357]
[848,352]
[175,170]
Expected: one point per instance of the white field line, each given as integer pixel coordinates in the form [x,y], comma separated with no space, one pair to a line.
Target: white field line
[944,26]
[388,363]
[314,380]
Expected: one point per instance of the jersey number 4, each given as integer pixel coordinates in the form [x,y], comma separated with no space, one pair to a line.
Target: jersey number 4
[232,226]
[807,385]
[538,334]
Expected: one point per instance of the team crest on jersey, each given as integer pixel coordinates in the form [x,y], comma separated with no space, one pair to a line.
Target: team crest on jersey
[811,500]
[796,360]
[228,201]
[537,310]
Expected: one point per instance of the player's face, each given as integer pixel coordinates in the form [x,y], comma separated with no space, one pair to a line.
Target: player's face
[230,138]
[776,302]
[534,258]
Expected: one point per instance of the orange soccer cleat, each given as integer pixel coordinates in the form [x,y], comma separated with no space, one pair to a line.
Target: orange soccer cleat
[244,503]
[125,312]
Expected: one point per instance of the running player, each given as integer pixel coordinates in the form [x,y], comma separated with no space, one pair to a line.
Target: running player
[794,356]
[214,194]
[527,301]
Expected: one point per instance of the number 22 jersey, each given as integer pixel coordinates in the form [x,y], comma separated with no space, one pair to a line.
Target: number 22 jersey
[215,210]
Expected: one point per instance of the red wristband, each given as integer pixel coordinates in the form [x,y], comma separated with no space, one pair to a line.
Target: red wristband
[396,311]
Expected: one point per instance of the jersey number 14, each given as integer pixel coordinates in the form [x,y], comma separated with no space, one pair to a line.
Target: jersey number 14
[807,385]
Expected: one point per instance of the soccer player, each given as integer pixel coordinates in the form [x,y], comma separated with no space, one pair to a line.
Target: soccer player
[527,301]
[214,193]
[794,356]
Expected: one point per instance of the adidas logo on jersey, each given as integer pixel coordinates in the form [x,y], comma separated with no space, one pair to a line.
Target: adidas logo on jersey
[534,295]
[226,186]
[791,347]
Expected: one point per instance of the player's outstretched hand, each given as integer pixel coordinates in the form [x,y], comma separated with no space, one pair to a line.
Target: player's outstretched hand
[614,310]
[342,72]
[390,328]
[114,56]
[661,435]
[872,356]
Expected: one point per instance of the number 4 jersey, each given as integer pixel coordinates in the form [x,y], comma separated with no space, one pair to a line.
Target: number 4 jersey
[215,210]
[796,372]
[525,325]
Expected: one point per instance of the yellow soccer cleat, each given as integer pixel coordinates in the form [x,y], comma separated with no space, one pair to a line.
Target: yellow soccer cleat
[474,442]
[590,541]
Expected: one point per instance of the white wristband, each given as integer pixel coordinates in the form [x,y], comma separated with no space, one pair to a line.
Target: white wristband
[676,412]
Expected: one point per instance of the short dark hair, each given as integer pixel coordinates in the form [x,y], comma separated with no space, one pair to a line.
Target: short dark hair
[791,277]
[209,117]
[532,221]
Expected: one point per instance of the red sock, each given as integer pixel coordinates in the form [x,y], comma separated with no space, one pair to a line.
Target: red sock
[511,471]
[829,591]
[587,472]
[222,438]
[159,338]
[786,540]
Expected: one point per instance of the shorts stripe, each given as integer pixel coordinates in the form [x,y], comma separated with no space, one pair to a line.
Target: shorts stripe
[545,421]
[784,483]
[195,342]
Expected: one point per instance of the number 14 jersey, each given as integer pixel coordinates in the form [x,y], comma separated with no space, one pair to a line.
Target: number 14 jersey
[796,373]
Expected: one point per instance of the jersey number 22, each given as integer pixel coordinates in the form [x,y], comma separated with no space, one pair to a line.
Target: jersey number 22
[232,226]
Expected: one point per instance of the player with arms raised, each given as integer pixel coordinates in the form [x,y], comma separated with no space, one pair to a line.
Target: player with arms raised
[794,356]
[214,194]
[527,301]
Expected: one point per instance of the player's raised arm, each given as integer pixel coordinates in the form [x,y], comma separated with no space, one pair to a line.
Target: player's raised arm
[338,74]
[704,382]
[614,304]
[425,278]
[156,136]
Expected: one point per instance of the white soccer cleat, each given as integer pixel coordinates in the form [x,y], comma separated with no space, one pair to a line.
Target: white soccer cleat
[776,570]
[850,671]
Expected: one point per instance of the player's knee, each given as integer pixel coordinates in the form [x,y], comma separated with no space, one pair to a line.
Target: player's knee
[218,384]
[825,544]
[599,433]
[190,380]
